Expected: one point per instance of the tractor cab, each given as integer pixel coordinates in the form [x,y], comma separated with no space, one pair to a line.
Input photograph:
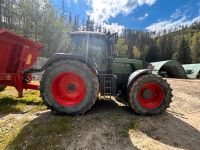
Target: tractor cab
[98,47]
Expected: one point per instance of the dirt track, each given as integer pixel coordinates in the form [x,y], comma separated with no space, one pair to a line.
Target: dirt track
[111,125]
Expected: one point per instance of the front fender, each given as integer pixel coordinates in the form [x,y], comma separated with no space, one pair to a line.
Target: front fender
[136,74]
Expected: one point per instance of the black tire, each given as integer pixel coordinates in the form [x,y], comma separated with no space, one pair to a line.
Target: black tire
[135,88]
[198,75]
[90,79]
[2,88]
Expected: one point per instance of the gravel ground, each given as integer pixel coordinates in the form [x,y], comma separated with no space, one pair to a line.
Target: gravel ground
[112,125]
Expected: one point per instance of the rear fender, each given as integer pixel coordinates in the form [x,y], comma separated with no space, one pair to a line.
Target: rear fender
[137,74]
[63,56]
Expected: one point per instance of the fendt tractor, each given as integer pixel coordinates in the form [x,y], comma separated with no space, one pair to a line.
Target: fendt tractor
[72,82]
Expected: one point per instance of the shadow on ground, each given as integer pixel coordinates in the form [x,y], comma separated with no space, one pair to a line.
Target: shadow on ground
[106,126]
[170,130]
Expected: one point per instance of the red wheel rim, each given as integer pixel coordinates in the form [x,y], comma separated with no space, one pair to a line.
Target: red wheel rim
[68,88]
[150,95]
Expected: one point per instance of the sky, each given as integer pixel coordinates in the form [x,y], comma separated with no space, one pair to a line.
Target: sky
[147,15]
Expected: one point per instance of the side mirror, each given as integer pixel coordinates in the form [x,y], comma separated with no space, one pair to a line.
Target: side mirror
[116,38]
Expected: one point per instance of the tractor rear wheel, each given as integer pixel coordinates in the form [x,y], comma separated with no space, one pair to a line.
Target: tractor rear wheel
[70,87]
[150,95]
[2,88]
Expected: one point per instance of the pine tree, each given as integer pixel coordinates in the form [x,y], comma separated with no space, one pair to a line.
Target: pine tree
[70,17]
[152,53]
[83,24]
[130,51]
[184,52]
[89,24]
[195,49]
[122,47]
[76,22]
[64,10]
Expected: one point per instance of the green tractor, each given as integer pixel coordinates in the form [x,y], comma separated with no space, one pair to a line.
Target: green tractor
[73,81]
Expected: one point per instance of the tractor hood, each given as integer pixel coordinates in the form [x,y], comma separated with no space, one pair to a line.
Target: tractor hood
[127,66]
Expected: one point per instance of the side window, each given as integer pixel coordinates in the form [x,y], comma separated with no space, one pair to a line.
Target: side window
[78,45]
[98,52]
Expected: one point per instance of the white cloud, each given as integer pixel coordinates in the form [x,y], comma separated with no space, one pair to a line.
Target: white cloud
[171,24]
[177,14]
[177,19]
[102,10]
[143,17]
[114,27]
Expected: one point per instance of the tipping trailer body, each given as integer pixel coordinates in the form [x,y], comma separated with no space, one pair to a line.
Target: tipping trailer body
[17,55]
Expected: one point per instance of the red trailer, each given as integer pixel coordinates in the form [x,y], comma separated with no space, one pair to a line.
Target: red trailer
[17,55]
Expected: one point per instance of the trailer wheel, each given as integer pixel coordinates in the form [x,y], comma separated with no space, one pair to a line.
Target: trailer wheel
[2,88]
[150,95]
[70,87]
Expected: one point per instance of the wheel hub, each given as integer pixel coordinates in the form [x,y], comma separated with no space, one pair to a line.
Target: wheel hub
[147,94]
[71,87]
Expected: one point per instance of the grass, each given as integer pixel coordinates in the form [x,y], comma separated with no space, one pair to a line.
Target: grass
[10,103]
[8,131]
[38,108]
[133,125]
[43,132]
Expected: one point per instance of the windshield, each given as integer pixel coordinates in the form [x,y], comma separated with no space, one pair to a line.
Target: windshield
[90,46]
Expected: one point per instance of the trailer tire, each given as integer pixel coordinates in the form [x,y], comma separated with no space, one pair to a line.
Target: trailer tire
[2,88]
[69,87]
[150,95]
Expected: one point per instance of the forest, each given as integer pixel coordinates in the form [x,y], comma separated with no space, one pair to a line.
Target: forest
[42,22]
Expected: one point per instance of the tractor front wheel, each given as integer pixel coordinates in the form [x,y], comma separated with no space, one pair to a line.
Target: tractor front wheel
[150,95]
[70,87]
